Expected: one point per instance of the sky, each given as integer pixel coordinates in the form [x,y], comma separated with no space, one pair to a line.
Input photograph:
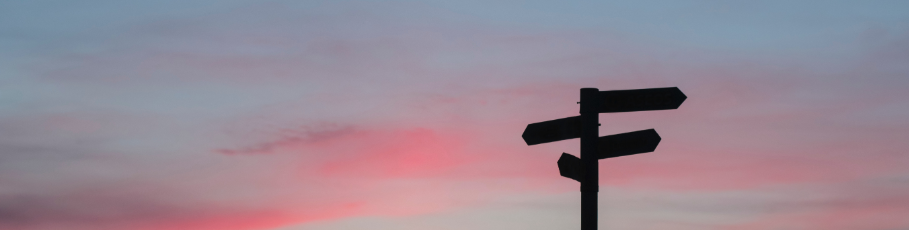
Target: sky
[409,114]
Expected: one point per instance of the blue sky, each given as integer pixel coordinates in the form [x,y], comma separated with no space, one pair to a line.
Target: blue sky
[408,114]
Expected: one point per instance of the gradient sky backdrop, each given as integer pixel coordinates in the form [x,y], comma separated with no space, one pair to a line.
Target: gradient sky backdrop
[409,114]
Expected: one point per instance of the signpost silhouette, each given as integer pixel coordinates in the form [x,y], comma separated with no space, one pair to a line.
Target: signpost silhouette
[586,126]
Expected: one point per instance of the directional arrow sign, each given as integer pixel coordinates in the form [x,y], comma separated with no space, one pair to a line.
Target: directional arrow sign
[627,143]
[640,99]
[570,166]
[553,130]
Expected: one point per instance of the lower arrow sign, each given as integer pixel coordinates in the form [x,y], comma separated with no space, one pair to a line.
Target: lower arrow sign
[627,143]
[611,146]
[570,166]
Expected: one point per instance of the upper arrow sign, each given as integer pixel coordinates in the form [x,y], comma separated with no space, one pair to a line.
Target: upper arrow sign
[553,130]
[640,99]
[627,143]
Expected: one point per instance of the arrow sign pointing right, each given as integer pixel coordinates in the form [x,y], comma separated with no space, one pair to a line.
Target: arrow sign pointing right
[640,99]
[611,146]
[627,143]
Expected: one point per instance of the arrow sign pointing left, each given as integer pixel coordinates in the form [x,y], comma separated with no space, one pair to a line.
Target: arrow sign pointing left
[570,166]
[553,130]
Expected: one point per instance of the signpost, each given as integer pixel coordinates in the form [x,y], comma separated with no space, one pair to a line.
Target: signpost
[586,126]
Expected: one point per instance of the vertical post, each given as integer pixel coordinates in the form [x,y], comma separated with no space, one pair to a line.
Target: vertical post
[590,169]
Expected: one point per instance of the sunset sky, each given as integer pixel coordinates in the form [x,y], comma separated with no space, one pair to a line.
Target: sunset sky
[408,114]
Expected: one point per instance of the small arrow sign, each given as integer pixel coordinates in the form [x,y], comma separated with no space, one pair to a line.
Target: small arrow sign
[570,166]
[553,130]
[627,143]
[640,99]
